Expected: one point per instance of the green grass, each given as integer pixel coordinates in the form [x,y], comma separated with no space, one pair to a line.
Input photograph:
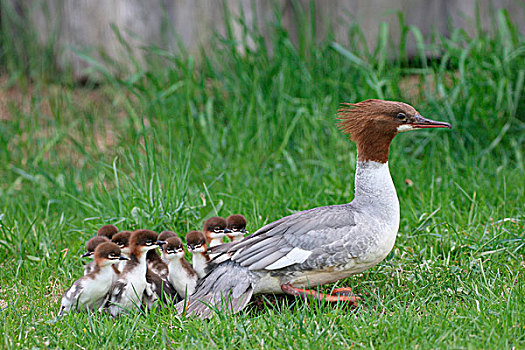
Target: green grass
[180,140]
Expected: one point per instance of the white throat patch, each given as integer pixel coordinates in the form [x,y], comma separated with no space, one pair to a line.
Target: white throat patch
[405,127]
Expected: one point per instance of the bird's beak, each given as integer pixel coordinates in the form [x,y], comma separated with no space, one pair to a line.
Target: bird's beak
[161,242]
[422,123]
[86,254]
[244,230]
[227,230]
[122,257]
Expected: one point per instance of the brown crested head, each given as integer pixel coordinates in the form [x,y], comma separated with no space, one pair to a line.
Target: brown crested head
[236,222]
[122,239]
[372,124]
[143,240]
[93,243]
[173,244]
[107,231]
[195,239]
[215,224]
[107,251]
[164,235]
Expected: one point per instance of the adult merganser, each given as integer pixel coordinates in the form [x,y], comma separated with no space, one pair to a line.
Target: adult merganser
[182,276]
[126,293]
[237,225]
[91,245]
[88,292]
[107,231]
[196,242]
[325,244]
[214,229]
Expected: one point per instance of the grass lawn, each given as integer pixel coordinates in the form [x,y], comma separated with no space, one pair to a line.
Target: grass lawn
[180,140]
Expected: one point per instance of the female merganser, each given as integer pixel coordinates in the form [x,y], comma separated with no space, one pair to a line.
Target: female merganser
[91,245]
[182,276]
[126,293]
[196,242]
[88,292]
[214,229]
[237,225]
[320,245]
[107,231]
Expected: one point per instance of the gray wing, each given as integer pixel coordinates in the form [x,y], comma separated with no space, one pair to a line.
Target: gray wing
[319,232]
[227,288]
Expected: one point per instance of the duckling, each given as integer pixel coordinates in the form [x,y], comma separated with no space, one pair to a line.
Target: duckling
[181,275]
[89,291]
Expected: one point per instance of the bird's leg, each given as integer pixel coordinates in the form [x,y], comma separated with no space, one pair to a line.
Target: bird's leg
[289,289]
[342,291]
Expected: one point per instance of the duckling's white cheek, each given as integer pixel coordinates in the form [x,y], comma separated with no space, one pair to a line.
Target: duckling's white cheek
[149,247]
[180,255]
[198,250]
[217,234]
[125,250]
[106,262]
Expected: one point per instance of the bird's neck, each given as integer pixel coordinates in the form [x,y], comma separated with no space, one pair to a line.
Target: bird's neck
[200,258]
[215,242]
[175,263]
[374,188]
[137,261]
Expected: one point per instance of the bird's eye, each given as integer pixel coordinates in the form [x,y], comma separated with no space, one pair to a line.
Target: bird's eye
[401,116]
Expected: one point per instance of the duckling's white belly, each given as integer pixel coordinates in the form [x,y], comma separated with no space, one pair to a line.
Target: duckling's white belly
[134,292]
[131,296]
[183,283]
[96,289]
[199,264]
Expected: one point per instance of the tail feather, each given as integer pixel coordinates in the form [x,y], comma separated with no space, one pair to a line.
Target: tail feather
[227,288]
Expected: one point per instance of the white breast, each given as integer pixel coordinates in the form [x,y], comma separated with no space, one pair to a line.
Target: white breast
[135,285]
[377,217]
[181,280]
[94,290]
[199,263]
